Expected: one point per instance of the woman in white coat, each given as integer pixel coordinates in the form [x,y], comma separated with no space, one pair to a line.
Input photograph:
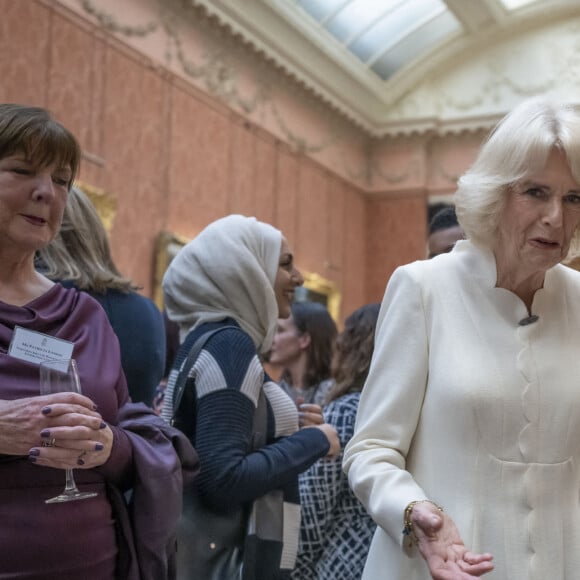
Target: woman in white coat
[467,443]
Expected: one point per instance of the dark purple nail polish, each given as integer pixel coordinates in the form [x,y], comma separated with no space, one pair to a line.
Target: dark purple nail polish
[46,410]
[32,459]
[35,452]
[95,407]
[103,425]
[80,462]
[99,446]
[45,433]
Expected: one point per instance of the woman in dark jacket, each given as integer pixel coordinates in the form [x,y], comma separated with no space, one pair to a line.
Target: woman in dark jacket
[239,273]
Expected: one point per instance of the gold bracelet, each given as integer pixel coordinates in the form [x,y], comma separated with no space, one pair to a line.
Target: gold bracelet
[407,523]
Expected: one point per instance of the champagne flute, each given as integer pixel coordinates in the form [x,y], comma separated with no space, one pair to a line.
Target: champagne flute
[61,376]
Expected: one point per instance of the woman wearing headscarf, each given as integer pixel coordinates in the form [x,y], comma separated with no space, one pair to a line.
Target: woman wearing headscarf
[240,273]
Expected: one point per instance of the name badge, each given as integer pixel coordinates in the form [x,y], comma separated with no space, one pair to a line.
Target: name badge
[35,347]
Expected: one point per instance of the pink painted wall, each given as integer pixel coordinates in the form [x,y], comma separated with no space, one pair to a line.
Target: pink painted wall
[396,236]
[175,158]
[429,162]
[183,40]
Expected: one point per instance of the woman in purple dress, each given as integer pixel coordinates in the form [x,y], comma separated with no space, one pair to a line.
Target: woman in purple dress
[112,444]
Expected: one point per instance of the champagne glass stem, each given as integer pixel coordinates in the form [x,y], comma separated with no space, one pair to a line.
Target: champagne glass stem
[70,486]
[59,376]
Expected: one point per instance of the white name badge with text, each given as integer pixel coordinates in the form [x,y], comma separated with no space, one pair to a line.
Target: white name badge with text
[35,347]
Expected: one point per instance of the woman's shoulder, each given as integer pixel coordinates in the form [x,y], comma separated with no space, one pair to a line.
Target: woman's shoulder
[79,301]
[132,302]
[224,332]
[225,342]
[420,271]
[567,273]
[56,307]
[226,361]
[131,297]
[446,270]
[346,404]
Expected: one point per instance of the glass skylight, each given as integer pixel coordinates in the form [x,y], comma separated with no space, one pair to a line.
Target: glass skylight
[385,35]
[515,4]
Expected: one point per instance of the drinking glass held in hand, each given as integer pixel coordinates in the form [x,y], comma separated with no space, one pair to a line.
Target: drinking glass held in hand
[58,376]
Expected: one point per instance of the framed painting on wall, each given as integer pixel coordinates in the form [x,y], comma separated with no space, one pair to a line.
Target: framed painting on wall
[319,289]
[105,203]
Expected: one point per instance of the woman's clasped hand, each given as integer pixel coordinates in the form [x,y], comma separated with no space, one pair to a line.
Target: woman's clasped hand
[73,433]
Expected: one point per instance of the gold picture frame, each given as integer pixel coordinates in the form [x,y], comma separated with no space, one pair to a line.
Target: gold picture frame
[167,246]
[104,202]
[319,289]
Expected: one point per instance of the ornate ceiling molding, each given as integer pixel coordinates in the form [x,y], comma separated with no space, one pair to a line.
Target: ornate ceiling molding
[473,93]
[258,39]
[215,70]
[415,100]
[465,87]
[460,93]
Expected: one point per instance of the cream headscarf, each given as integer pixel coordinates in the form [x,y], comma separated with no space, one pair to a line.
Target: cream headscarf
[228,270]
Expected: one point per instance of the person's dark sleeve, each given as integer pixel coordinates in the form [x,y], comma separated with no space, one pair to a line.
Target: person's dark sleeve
[231,473]
[118,469]
[138,324]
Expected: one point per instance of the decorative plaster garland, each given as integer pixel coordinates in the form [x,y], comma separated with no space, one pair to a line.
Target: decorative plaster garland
[215,72]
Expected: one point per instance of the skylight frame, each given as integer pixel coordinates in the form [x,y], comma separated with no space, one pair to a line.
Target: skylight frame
[512,5]
[400,20]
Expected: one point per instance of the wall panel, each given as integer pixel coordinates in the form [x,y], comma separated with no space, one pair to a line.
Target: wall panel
[312,223]
[70,70]
[199,158]
[396,234]
[25,52]
[242,170]
[174,158]
[266,169]
[287,175]
[354,234]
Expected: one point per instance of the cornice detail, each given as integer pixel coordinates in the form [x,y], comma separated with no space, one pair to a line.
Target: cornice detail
[110,23]
[215,71]
[284,66]
[475,93]
[469,95]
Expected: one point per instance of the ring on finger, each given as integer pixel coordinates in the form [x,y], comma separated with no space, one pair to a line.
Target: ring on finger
[50,443]
[80,460]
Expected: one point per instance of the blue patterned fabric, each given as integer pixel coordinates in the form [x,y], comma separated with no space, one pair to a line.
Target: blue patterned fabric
[336,531]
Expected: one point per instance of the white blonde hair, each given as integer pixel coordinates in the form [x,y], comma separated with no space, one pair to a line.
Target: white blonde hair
[518,146]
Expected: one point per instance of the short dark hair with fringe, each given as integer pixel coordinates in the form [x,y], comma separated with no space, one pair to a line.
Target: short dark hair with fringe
[35,133]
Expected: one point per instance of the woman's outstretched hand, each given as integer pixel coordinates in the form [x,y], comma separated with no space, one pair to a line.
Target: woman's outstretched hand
[443,549]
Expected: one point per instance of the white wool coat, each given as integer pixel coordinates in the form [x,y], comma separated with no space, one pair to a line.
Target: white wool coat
[466,407]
